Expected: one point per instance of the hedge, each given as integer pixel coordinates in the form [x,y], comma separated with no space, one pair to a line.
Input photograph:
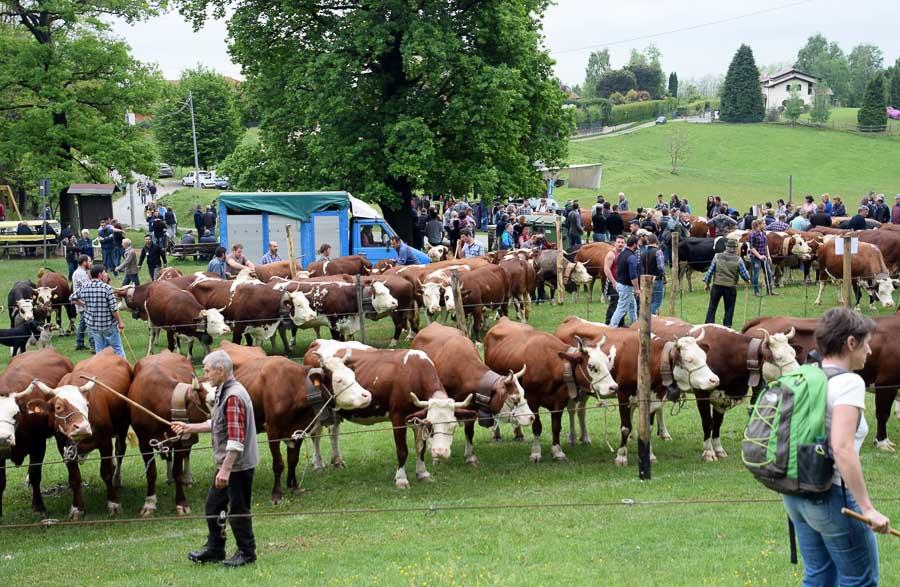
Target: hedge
[638,111]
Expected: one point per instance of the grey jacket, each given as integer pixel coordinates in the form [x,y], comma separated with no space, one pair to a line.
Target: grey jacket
[248,458]
[129,262]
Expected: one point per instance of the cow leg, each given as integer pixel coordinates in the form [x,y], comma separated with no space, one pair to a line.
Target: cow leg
[398,318]
[556,428]
[182,508]
[661,429]
[582,422]
[536,429]
[718,417]
[149,507]
[316,434]
[422,473]
[107,473]
[186,469]
[337,459]
[705,409]
[571,408]
[884,399]
[818,301]
[471,459]
[277,470]
[293,458]
[400,480]
[625,429]
[76,512]
[36,452]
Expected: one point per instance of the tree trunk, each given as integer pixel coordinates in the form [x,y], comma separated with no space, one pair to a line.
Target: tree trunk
[401,218]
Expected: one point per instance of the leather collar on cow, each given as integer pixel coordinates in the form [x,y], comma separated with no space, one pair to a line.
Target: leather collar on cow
[754,361]
[319,397]
[569,375]
[666,361]
[483,397]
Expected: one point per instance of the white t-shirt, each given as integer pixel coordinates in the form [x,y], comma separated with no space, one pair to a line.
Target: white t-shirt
[847,389]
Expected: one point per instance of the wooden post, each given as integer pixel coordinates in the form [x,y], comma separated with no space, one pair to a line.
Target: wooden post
[848,271]
[643,378]
[290,240]
[359,306]
[560,261]
[675,283]
[458,302]
[790,189]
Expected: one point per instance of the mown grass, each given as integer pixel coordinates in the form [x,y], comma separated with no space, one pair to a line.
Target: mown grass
[684,543]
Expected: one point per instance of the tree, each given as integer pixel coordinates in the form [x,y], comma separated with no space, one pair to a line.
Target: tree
[386,98]
[821,108]
[793,107]
[598,64]
[217,118]
[673,84]
[678,145]
[65,89]
[827,61]
[872,116]
[648,78]
[894,86]
[741,95]
[616,81]
[865,63]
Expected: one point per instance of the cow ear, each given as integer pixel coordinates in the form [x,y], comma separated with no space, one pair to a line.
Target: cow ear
[316,377]
[798,349]
[38,407]
[570,356]
[416,417]
[704,346]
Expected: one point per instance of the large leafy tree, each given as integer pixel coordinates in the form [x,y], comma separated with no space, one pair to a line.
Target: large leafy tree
[827,61]
[741,95]
[386,98]
[894,85]
[598,64]
[616,80]
[65,89]
[648,78]
[216,115]
[872,116]
[865,63]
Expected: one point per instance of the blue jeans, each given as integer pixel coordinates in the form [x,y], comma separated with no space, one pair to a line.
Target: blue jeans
[627,303]
[601,237]
[574,239]
[109,259]
[755,265]
[836,550]
[659,289]
[108,337]
[80,330]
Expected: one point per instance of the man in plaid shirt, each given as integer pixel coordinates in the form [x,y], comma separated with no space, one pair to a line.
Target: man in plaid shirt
[236,454]
[100,311]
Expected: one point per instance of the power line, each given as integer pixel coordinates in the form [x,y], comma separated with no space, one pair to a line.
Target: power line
[682,29]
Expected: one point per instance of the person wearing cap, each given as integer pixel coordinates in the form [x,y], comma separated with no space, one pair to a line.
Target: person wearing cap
[724,271]
[895,211]
[882,213]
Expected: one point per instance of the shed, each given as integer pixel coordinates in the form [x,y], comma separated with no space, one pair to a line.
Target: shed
[85,204]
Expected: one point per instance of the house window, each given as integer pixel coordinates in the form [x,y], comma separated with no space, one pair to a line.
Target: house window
[788,87]
[799,88]
[809,90]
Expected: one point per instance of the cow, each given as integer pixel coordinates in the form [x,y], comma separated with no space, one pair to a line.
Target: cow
[592,255]
[178,312]
[696,254]
[740,361]
[158,380]
[384,264]
[168,273]
[283,392]
[556,373]
[787,251]
[699,227]
[681,363]
[888,242]
[348,265]
[574,273]
[438,253]
[266,273]
[406,390]
[53,292]
[867,270]
[483,288]
[406,314]
[20,302]
[463,373]
[24,433]
[882,370]
[87,417]
[522,280]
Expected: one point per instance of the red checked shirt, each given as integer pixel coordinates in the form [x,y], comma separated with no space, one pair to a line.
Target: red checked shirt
[235,417]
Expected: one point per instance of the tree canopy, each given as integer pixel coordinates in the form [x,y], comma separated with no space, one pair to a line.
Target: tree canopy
[872,116]
[616,81]
[741,96]
[65,89]
[387,98]
[827,61]
[865,63]
[673,84]
[598,64]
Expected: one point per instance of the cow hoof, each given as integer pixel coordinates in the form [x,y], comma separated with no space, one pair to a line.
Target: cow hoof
[401,483]
[519,437]
[182,510]
[148,510]
[473,460]
[426,476]
[885,445]
[291,483]
[536,457]
[339,464]
[721,454]
[560,457]
[113,508]
[621,461]
[393,343]
[318,466]
[277,498]
[572,441]
[709,456]
[652,459]
[76,514]
[666,436]
[586,441]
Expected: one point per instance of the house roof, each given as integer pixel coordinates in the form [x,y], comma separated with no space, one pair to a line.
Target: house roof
[93,189]
[787,75]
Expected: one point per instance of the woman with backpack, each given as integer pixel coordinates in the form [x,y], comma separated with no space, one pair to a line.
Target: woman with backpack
[838,550]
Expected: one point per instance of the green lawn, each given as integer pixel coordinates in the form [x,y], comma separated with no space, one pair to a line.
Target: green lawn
[745,164]
[688,543]
[846,118]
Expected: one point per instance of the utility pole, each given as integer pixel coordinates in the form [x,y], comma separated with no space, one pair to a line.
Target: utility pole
[131,202]
[45,192]
[194,135]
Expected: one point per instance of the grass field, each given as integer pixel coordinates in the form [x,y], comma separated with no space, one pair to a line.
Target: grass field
[846,118]
[687,542]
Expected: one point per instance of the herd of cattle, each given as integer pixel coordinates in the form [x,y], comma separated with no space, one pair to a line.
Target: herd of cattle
[445,382]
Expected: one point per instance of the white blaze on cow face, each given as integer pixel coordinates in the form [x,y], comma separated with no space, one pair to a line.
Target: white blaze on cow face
[44,295]
[437,253]
[302,312]
[691,370]
[431,296]
[25,309]
[440,422]
[599,371]
[515,409]
[382,300]
[70,407]
[9,417]
[328,348]
[801,247]
[883,289]
[784,357]
[580,275]
[215,322]
[348,393]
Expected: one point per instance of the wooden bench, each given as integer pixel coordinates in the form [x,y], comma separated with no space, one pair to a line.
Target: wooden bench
[196,250]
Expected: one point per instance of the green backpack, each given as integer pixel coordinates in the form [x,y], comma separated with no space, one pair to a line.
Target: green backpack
[785,444]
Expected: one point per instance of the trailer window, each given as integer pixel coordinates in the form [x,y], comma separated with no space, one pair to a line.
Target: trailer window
[372,235]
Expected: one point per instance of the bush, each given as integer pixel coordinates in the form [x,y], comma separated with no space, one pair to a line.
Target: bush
[616,80]
[872,117]
[617,98]
[772,115]
[640,111]
[821,108]
[643,96]
[631,96]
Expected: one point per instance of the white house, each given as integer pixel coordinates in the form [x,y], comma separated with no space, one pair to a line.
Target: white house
[777,89]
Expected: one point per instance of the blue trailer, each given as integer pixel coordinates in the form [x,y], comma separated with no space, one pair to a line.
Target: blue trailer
[349,225]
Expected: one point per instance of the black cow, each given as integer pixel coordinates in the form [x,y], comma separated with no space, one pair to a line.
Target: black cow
[696,254]
[20,301]
[18,336]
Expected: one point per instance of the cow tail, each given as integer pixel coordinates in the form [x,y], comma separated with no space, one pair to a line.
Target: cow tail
[131,437]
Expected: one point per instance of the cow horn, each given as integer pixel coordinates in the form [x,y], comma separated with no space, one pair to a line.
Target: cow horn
[417,402]
[602,341]
[87,387]
[764,331]
[580,342]
[44,388]
[702,334]
[465,403]
[24,392]
[792,332]
[521,373]
[195,383]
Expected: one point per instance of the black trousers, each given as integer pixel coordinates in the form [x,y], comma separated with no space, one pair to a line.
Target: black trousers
[729,295]
[613,302]
[234,499]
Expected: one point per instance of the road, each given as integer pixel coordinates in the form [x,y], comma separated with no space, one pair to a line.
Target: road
[122,206]
[625,131]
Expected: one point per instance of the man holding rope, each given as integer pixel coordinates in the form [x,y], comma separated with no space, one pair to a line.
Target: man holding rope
[236,454]
[100,310]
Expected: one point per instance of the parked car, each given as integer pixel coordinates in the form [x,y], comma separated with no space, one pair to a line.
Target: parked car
[661,120]
[165,170]
[552,205]
[188,180]
[222,182]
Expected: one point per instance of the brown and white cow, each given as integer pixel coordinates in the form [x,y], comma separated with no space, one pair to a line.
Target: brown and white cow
[347,265]
[23,430]
[153,386]
[739,361]
[681,362]
[266,273]
[438,253]
[178,312]
[867,270]
[53,292]
[463,374]
[406,313]
[406,390]
[168,273]
[522,281]
[882,367]
[575,275]
[592,255]
[483,288]
[556,373]
[86,417]
[787,251]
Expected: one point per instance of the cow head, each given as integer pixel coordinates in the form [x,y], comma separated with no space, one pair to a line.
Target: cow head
[298,305]
[382,300]
[24,309]
[348,393]
[437,420]
[508,393]
[595,366]
[431,297]
[575,275]
[68,404]
[779,356]
[801,248]
[690,370]
[44,295]
[214,322]
[9,419]
[125,295]
[882,287]
[438,253]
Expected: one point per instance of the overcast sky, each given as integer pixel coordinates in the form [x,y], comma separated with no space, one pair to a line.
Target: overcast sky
[575,27]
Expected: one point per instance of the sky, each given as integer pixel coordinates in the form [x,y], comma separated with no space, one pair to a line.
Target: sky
[573,28]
